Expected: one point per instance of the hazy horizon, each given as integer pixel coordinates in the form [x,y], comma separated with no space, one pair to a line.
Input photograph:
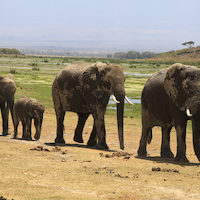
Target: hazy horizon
[155,25]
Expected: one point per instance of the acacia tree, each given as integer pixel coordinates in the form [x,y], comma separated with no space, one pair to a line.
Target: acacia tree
[188,44]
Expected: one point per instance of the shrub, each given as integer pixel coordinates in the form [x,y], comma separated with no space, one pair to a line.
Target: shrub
[34,64]
[36,68]
[13,71]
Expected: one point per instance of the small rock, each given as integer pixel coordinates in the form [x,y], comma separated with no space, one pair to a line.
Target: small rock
[64,152]
[96,172]
[56,149]
[39,148]
[156,169]
[33,148]
[87,161]
[63,160]
[118,175]
[165,179]
[126,157]
[45,149]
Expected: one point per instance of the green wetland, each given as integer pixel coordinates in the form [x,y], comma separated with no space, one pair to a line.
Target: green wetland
[34,76]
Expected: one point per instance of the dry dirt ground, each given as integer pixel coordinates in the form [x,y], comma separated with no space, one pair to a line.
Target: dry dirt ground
[40,170]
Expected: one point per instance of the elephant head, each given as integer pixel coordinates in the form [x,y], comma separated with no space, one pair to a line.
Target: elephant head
[37,110]
[182,85]
[105,80]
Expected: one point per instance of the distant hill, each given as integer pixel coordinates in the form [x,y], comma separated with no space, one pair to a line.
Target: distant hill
[6,51]
[189,53]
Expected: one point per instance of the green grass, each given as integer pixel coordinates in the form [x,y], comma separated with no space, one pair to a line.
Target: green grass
[34,76]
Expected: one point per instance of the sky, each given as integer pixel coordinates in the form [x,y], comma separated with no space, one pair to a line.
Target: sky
[143,25]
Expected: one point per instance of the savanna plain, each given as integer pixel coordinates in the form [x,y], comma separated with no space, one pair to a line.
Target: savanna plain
[41,170]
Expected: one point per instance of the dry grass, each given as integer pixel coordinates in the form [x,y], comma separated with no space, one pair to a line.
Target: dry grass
[78,172]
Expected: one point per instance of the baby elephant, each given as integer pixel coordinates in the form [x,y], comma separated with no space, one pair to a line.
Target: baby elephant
[26,109]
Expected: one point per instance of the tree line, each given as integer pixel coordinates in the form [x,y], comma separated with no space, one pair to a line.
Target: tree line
[9,51]
[132,55]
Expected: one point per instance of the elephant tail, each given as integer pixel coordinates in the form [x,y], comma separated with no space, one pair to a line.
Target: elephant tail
[149,137]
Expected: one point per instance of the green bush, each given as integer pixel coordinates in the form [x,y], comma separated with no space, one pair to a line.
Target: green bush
[33,64]
[13,71]
[36,68]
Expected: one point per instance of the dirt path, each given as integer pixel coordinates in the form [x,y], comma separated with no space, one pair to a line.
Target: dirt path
[40,170]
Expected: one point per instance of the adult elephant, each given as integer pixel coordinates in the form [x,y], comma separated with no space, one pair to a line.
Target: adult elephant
[7,93]
[85,89]
[169,98]
[26,109]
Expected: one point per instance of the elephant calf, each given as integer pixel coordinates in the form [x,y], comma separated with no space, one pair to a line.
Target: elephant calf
[26,109]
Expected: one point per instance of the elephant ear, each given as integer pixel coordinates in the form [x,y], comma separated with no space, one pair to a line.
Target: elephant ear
[91,75]
[177,84]
[90,81]
[10,76]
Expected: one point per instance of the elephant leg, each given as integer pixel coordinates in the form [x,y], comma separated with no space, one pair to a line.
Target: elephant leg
[93,137]
[28,125]
[142,150]
[146,136]
[60,115]
[181,144]
[16,128]
[24,133]
[78,136]
[100,129]
[38,125]
[165,147]
[4,114]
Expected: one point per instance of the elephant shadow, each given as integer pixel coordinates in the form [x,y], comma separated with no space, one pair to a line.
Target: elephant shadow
[23,139]
[159,159]
[76,145]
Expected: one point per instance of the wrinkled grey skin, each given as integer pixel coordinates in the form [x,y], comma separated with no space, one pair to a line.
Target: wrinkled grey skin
[165,98]
[26,109]
[7,95]
[85,89]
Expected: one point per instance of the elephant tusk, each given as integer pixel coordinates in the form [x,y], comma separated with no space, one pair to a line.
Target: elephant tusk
[129,101]
[188,112]
[114,99]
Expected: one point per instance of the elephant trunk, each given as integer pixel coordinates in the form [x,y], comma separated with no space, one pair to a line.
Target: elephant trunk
[196,138]
[120,122]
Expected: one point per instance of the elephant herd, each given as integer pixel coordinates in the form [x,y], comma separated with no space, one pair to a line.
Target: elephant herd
[169,98]
[24,109]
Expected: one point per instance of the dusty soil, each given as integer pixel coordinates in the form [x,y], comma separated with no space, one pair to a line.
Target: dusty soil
[41,170]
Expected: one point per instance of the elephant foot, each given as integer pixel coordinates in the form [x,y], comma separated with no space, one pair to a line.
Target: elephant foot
[24,137]
[79,140]
[37,137]
[166,153]
[5,133]
[60,140]
[142,153]
[181,158]
[29,139]
[91,143]
[102,145]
